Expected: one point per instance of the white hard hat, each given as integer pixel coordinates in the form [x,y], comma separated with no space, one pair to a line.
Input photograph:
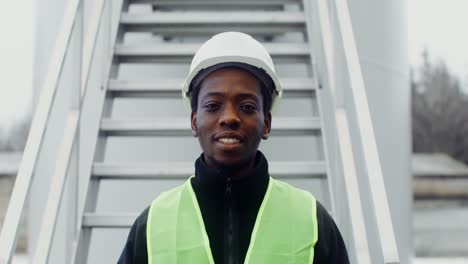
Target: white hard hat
[232,47]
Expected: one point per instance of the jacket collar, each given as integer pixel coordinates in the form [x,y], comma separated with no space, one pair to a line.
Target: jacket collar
[255,180]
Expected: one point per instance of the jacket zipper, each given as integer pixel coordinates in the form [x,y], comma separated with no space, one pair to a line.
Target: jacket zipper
[230,223]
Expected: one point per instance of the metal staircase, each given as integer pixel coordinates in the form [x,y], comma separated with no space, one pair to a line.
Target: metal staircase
[127,137]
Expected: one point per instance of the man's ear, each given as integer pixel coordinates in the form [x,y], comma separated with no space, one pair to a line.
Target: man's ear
[266,126]
[193,123]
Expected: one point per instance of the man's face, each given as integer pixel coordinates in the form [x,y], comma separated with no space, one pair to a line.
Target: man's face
[229,121]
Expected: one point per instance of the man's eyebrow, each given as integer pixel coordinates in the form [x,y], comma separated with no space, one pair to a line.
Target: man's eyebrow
[241,95]
[213,94]
[248,95]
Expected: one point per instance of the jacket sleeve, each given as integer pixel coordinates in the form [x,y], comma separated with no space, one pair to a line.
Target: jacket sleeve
[330,247]
[134,251]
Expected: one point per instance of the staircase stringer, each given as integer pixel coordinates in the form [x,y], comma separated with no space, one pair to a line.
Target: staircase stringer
[326,130]
[347,210]
[369,237]
[91,187]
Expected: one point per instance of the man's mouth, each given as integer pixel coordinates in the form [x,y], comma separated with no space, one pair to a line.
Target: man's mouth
[229,141]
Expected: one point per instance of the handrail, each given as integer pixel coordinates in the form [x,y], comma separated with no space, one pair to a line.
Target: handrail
[89,51]
[55,196]
[366,134]
[49,219]
[361,244]
[9,233]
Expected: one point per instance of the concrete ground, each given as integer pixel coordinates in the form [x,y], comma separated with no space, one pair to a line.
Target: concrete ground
[441,229]
[440,261]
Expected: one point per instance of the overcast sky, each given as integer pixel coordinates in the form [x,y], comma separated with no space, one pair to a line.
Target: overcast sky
[438,25]
[15,60]
[441,26]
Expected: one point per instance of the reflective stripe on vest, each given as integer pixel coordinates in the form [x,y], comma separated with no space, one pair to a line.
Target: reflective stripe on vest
[285,230]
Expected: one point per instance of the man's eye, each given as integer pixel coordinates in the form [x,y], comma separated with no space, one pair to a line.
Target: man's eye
[211,106]
[249,107]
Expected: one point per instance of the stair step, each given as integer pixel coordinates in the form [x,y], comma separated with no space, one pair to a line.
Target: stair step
[293,87]
[184,52]
[108,220]
[185,23]
[182,170]
[215,5]
[216,2]
[181,127]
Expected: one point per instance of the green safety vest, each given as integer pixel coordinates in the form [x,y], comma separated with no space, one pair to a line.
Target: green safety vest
[285,230]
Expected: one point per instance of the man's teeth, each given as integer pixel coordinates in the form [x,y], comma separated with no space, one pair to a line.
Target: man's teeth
[228,140]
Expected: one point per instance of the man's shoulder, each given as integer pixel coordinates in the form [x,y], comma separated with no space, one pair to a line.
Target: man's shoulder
[323,216]
[330,247]
[134,250]
[140,221]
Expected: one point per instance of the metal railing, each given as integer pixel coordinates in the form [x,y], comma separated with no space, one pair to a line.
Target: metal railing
[357,181]
[73,54]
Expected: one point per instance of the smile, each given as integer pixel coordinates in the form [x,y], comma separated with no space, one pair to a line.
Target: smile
[229,140]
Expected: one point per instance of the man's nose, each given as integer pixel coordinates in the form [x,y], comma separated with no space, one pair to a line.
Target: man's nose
[229,117]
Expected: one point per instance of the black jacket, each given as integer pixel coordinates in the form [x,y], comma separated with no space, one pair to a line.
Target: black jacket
[229,209]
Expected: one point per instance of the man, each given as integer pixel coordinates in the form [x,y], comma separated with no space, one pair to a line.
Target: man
[232,211]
